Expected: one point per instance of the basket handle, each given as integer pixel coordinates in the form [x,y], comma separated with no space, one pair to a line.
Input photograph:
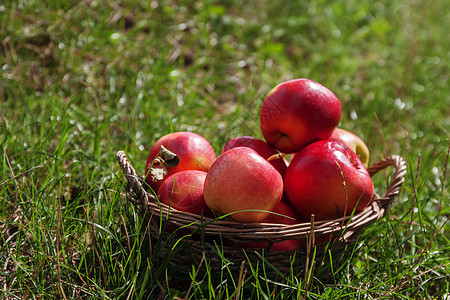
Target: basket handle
[134,182]
[399,164]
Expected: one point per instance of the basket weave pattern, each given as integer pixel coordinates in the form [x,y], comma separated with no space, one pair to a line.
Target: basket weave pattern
[346,229]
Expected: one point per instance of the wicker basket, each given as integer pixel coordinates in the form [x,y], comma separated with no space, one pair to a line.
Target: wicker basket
[212,232]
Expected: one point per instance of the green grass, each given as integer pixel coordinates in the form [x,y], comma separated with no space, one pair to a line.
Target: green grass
[81,80]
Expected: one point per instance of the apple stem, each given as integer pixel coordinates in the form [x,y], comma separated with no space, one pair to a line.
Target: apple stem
[276,156]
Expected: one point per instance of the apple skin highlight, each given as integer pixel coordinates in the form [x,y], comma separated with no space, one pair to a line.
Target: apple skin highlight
[328,180]
[298,112]
[241,179]
[354,142]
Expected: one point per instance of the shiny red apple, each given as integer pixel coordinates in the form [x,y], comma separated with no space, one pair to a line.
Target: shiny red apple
[352,141]
[241,179]
[193,151]
[298,112]
[261,147]
[184,191]
[328,180]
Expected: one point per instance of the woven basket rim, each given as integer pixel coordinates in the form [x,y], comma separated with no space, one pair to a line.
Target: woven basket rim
[244,232]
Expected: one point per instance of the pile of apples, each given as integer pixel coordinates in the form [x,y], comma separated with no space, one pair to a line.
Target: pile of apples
[252,180]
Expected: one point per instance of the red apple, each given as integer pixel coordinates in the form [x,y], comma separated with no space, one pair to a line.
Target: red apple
[352,141]
[184,191]
[241,179]
[286,214]
[194,153]
[285,210]
[261,147]
[328,180]
[298,112]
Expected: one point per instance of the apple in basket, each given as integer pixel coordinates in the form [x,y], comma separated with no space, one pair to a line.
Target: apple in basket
[298,112]
[261,147]
[284,213]
[184,191]
[243,184]
[287,215]
[193,152]
[352,141]
[328,180]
